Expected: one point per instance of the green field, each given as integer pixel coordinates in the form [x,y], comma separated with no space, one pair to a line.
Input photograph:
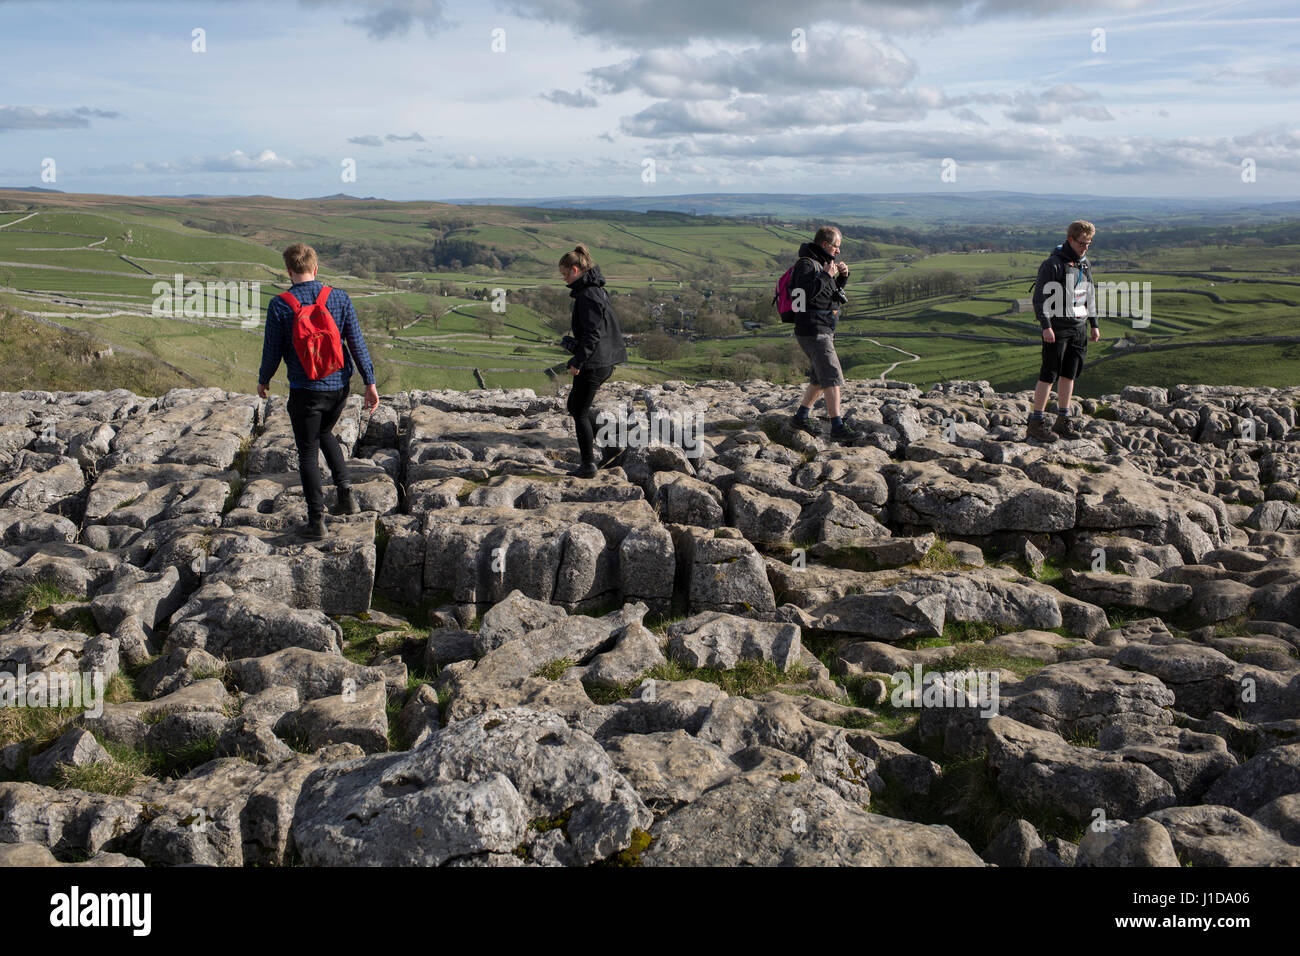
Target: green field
[90,263]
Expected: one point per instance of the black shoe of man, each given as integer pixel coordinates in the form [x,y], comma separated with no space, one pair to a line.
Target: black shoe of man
[314,529]
[347,504]
[586,470]
[845,434]
[805,425]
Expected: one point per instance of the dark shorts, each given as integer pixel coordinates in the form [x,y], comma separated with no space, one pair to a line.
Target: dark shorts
[820,350]
[1064,357]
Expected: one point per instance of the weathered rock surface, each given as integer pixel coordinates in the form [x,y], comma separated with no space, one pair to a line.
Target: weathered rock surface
[231,624]
[718,640]
[760,819]
[471,789]
[1136,594]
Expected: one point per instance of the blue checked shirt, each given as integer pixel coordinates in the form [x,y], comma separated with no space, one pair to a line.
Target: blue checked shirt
[278,343]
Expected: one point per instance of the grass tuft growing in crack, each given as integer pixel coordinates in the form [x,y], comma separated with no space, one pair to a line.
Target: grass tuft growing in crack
[554,670]
[746,678]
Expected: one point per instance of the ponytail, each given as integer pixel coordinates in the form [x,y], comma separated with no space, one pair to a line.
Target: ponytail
[579,257]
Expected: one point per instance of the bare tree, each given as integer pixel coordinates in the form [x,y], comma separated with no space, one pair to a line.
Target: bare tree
[394,315]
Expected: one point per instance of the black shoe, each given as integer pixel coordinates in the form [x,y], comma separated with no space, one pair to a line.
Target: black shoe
[1066,428]
[586,470]
[805,425]
[314,529]
[1040,431]
[845,433]
[347,505]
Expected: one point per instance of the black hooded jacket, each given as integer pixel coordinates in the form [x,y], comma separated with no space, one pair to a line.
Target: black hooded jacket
[821,310]
[595,327]
[1052,275]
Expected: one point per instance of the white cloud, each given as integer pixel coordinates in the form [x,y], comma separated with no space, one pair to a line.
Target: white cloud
[236,161]
[970,116]
[1043,153]
[1283,76]
[472,161]
[37,117]
[390,18]
[578,99]
[755,114]
[840,60]
[639,23]
[1056,112]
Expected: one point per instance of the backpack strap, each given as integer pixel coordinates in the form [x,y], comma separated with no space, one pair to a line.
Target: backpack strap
[324,296]
[291,300]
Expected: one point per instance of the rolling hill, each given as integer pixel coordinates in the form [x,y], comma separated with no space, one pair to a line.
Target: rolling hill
[1223,275]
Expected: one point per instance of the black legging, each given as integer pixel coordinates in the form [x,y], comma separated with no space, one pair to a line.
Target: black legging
[583,393]
[313,415]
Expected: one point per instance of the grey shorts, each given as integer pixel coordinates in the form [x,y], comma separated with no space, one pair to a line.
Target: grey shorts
[820,350]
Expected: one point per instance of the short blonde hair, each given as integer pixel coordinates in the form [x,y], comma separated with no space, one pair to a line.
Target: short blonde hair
[1081,229]
[300,259]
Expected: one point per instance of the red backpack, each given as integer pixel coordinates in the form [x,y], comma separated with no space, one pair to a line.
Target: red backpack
[782,298]
[315,335]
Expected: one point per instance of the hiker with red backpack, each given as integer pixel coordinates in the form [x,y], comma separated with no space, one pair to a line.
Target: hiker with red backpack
[307,326]
[809,295]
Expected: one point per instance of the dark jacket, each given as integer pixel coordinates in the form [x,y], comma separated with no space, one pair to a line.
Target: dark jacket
[821,309]
[595,327]
[1052,276]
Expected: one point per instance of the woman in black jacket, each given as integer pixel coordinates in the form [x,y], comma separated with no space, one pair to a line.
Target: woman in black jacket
[597,348]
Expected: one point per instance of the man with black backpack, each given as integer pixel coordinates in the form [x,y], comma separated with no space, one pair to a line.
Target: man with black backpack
[307,326]
[810,295]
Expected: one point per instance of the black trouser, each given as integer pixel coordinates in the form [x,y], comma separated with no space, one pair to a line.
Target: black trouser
[314,415]
[583,393]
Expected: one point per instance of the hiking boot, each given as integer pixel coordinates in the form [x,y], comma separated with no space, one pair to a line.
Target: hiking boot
[586,470]
[805,425]
[845,433]
[1040,431]
[314,529]
[1066,428]
[347,505]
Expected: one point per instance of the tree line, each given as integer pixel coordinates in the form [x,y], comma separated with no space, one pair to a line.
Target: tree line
[913,284]
[365,257]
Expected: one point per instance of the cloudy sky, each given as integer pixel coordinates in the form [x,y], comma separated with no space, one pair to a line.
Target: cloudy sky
[431,99]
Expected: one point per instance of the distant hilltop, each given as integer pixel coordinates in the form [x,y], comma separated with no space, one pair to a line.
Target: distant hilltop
[343,196]
[972,206]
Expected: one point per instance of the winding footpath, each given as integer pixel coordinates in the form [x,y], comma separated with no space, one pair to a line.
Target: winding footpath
[914,357]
